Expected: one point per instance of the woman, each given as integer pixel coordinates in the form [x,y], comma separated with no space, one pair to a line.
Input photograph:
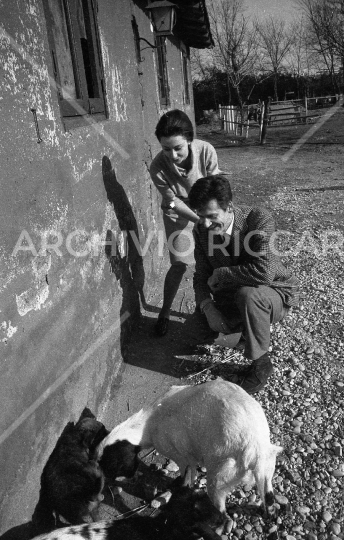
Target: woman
[181,162]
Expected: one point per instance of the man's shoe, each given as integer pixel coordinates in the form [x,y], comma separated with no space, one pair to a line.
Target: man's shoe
[257,376]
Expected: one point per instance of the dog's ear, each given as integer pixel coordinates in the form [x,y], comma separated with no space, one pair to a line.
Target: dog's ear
[86,413]
[99,436]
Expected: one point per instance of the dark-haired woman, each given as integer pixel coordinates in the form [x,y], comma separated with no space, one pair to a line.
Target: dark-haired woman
[181,162]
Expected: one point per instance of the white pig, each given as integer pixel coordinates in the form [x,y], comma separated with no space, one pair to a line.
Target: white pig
[216,425]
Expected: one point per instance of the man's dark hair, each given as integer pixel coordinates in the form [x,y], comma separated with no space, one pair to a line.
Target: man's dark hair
[175,122]
[208,188]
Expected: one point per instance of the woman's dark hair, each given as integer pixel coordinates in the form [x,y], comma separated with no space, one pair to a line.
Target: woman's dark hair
[175,122]
[208,188]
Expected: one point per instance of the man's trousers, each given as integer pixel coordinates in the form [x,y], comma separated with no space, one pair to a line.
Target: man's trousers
[249,311]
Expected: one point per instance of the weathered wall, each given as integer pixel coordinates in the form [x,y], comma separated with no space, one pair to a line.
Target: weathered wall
[64,318]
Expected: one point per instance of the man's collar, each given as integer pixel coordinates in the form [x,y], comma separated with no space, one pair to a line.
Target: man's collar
[230,228]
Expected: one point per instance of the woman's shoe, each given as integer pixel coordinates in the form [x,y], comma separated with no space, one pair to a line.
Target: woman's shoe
[161,326]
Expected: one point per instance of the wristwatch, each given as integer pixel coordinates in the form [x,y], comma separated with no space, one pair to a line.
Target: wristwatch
[172,204]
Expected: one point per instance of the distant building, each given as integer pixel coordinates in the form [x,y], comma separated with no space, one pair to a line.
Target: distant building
[81,91]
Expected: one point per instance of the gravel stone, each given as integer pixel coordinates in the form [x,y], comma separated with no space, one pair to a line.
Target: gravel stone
[338,450]
[172,467]
[272,529]
[326,516]
[250,536]
[229,526]
[309,525]
[303,510]
[281,499]
[335,528]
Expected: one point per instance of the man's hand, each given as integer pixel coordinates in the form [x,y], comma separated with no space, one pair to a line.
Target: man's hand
[215,319]
[213,281]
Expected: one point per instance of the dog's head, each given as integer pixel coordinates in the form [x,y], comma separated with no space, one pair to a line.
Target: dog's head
[120,459]
[190,513]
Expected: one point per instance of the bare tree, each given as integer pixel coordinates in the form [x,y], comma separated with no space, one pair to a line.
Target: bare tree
[298,56]
[276,40]
[325,29]
[198,61]
[327,19]
[235,51]
[300,59]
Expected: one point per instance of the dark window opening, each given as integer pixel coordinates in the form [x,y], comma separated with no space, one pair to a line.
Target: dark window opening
[185,71]
[75,46]
[164,91]
[136,39]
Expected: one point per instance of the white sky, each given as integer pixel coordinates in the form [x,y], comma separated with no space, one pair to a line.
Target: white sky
[277,8]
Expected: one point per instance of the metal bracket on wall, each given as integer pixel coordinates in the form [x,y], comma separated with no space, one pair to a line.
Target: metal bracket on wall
[150,46]
[34,112]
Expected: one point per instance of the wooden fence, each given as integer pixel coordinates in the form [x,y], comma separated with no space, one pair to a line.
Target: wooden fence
[279,113]
[234,120]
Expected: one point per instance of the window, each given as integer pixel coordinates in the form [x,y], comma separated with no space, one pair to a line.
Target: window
[185,71]
[136,39]
[75,48]
[164,90]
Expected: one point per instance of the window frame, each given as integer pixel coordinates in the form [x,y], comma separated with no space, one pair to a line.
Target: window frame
[161,69]
[185,74]
[85,105]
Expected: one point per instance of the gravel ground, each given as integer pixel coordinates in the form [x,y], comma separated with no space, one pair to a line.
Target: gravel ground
[304,405]
[304,400]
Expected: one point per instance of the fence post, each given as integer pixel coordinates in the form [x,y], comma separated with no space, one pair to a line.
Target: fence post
[220,116]
[262,112]
[248,123]
[306,108]
[265,121]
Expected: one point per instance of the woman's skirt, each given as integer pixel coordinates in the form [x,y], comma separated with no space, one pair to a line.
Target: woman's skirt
[179,239]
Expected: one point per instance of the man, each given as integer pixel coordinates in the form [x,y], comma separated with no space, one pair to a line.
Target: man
[240,284]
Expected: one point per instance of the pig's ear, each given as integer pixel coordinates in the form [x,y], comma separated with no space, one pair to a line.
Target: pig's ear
[187,482]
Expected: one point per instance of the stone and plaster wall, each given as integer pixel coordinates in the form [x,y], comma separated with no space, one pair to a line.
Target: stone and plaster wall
[66,307]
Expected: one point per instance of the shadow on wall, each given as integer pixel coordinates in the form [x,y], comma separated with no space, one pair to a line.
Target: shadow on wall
[125,260]
[20,532]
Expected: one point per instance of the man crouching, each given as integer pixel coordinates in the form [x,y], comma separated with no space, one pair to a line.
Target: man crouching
[240,284]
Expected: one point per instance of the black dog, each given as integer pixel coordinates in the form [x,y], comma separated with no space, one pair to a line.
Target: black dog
[72,481]
[189,515]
